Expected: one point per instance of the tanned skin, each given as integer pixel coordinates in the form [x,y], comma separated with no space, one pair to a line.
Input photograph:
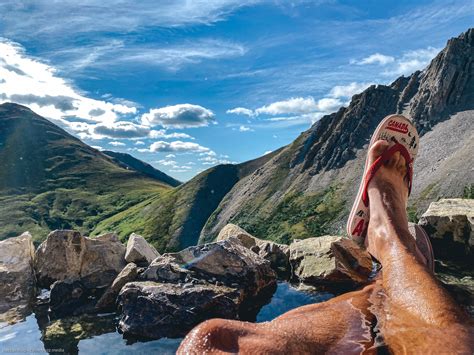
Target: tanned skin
[405,311]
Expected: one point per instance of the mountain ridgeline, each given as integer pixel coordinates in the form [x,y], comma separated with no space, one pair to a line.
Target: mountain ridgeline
[52,180]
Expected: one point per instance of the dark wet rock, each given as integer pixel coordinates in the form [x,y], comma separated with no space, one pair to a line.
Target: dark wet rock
[459,281]
[179,290]
[128,274]
[450,226]
[17,278]
[139,251]
[66,255]
[277,254]
[155,310]
[71,298]
[329,260]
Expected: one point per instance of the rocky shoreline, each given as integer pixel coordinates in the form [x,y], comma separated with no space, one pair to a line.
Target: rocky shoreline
[166,295]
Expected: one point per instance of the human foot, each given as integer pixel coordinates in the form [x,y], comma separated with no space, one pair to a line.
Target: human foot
[388,195]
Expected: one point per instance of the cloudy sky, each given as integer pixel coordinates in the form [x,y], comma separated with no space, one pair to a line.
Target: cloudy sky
[188,84]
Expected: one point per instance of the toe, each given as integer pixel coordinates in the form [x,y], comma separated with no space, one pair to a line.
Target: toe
[401,165]
[393,161]
[376,150]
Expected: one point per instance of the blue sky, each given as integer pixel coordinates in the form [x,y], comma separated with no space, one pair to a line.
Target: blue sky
[185,85]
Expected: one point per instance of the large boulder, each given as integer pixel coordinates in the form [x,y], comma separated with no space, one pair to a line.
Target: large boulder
[17,277]
[128,274]
[276,254]
[329,260]
[66,255]
[450,225]
[139,251]
[155,310]
[227,262]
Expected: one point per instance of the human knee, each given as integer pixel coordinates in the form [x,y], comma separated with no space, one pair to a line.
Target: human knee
[213,335]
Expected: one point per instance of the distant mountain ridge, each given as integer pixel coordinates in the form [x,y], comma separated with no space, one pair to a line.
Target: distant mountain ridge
[130,162]
[50,179]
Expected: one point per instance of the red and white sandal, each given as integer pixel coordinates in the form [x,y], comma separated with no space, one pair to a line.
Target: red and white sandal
[402,137]
[424,249]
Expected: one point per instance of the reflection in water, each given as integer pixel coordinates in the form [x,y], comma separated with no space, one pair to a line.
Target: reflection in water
[98,335]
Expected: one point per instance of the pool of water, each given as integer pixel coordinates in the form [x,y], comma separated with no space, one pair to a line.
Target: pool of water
[98,334]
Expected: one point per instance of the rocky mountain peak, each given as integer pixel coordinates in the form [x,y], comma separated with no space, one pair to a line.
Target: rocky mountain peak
[428,96]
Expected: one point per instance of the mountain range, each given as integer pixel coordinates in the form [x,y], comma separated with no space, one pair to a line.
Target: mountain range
[52,180]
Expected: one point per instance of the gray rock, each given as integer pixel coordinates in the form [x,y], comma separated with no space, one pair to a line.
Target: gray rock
[276,254]
[155,310]
[450,226]
[139,251]
[66,255]
[166,269]
[128,274]
[227,261]
[17,278]
[329,260]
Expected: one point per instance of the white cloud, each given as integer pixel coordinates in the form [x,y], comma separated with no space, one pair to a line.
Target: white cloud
[179,116]
[241,111]
[375,58]
[98,147]
[177,146]
[245,129]
[28,81]
[120,129]
[162,134]
[287,121]
[212,160]
[405,64]
[173,57]
[167,162]
[290,106]
[117,144]
[411,61]
[139,143]
[301,106]
[170,156]
[267,152]
[72,17]
[349,90]
[328,105]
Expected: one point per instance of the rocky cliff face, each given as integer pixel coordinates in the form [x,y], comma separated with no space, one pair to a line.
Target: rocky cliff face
[308,187]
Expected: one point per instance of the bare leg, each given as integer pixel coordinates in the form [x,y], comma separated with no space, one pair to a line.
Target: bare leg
[418,314]
[341,325]
[414,313]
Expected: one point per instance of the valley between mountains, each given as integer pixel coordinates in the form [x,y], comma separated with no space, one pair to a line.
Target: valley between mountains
[51,180]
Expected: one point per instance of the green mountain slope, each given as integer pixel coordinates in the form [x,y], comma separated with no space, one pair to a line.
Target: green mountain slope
[174,220]
[50,180]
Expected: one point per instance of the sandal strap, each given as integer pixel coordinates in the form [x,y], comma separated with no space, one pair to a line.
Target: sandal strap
[397,147]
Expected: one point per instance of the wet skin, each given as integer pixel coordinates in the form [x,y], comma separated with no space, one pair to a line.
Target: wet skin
[406,309]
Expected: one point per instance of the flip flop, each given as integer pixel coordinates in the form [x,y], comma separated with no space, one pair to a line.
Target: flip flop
[424,248]
[402,137]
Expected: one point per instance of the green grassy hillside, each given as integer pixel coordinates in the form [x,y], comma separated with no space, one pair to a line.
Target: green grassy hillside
[174,220]
[51,180]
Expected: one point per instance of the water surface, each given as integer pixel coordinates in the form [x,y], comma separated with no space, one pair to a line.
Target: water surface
[98,334]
